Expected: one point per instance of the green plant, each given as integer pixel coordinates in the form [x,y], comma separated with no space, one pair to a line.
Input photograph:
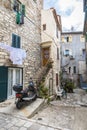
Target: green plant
[69,86]
[43,91]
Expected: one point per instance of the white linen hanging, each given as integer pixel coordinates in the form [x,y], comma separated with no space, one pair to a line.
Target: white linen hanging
[17,55]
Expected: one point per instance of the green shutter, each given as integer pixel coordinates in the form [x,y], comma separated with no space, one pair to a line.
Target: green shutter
[13,40]
[23,9]
[18,18]
[3,82]
[18,42]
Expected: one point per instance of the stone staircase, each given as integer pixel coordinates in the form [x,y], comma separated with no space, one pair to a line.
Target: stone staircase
[42,72]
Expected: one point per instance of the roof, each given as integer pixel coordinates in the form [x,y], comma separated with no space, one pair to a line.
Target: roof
[79,32]
[57,19]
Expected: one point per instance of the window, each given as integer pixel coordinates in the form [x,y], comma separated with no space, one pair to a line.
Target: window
[83,53]
[14,77]
[74,69]
[17,5]
[82,38]
[20,9]
[56,79]
[57,53]
[56,32]
[66,52]
[44,27]
[67,39]
[69,70]
[16,41]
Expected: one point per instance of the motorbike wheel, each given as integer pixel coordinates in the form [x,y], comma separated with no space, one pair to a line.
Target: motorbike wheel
[19,105]
[35,98]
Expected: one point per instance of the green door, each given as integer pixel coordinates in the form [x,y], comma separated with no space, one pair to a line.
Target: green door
[3,82]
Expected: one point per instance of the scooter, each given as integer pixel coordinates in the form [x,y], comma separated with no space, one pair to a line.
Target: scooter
[24,96]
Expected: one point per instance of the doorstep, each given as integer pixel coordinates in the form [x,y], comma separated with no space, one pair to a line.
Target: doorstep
[28,111]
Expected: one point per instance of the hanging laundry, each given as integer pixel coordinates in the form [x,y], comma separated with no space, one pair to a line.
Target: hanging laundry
[16,55]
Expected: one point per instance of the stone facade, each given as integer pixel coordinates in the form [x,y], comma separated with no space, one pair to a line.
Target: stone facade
[29,32]
[50,37]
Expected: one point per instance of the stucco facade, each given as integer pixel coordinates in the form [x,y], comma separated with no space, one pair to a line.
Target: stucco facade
[73,54]
[50,37]
[85,28]
[29,34]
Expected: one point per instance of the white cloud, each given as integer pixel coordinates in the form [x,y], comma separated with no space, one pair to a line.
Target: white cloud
[71,12]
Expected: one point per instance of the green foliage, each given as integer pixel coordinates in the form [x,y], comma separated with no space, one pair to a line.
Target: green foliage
[69,86]
[43,91]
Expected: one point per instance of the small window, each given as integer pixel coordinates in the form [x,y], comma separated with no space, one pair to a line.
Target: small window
[67,39]
[69,70]
[16,41]
[44,27]
[57,53]
[66,52]
[83,53]
[19,7]
[56,79]
[56,32]
[74,69]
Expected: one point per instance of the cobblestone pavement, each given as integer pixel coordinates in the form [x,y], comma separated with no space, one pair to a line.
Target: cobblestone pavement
[10,122]
[65,114]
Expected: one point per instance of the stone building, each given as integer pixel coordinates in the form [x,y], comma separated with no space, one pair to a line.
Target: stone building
[73,55]
[50,46]
[20,38]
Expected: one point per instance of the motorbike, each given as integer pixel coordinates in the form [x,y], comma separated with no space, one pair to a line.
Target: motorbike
[25,96]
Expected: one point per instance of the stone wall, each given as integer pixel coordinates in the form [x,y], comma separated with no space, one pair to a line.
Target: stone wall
[29,32]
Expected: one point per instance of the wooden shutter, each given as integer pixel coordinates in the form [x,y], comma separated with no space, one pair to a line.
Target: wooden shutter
[13,40]
[63,39]
[70,38]
[22,19]
[18,18]
[3,82]
[23,9]
[18,42]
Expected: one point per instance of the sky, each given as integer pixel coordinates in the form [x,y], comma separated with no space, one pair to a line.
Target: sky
[71,12]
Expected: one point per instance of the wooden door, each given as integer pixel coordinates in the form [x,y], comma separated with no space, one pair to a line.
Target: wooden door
[45,55]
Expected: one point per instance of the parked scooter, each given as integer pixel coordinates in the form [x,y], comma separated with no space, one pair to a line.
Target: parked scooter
[25,96]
